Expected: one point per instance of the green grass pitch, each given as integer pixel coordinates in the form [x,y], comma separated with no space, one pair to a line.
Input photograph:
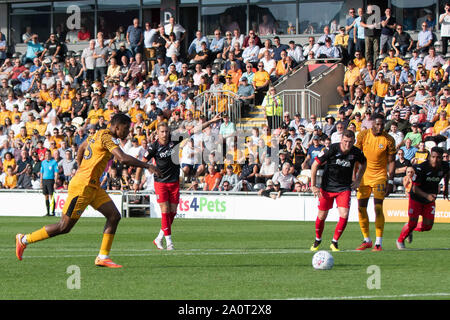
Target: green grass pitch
[221,260]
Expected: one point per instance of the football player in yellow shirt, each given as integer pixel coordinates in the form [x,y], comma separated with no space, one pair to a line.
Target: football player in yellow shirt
[84,189]
[379,148]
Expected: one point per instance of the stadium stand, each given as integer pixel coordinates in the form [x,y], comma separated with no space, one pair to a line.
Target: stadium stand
[283,97]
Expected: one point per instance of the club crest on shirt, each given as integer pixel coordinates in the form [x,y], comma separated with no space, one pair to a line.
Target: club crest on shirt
[381,146]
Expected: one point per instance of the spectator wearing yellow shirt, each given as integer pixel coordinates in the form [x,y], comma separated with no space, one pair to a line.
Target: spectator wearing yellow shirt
[22,135]
[341,39]
[16,112]
[9,161]
[357,121]
[261,80]
[359,60]
[56,137]
[72,92]
[44,94]
[436,68]
[282,65]
[420,70]
[65,108]
[56,102]
[4,113]
[10,179]
[40,126]
[95,112]
[135,110]
[443,106]
[380,89]
[441,124]
[109,111]
[352,78]
[393,61]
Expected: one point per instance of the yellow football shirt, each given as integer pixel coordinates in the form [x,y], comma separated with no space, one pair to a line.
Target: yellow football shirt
[95,158]
[376,149]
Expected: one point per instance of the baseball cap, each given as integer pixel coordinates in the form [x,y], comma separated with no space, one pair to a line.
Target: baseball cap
[315,138]
[269,182]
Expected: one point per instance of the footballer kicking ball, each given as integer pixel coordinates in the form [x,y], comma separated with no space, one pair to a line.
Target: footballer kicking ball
[322,260]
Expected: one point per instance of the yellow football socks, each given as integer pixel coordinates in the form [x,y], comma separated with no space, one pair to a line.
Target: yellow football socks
[37,235]
[364,221]
[106,244]
[379,219]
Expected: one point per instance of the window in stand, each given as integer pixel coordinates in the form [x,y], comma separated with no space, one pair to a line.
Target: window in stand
[268,19]
[115,16]
[413,12]
[37,16]
[225,18]
[61,17]
[314,16]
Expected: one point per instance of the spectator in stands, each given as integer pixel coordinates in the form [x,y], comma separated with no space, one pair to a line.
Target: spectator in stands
[341,39]
[371,34]
[352,78]
[432,59]
[34,49]
[401,165]
[421,154]
[278,47]
[176,28]
[295,52]
[328,50]
[408,149]
[251,52]
[380,89]
[196,44]
[401,41]
[284,177]
[256,40]
[424,39]
[217,43]
[311,47]
[414,135]
[212,179]
[388,24]
[273,106]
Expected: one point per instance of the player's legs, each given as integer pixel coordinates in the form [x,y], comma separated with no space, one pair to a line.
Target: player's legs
[379,191]
[363,200]
[414,210]
[427,218]
[64,226]
[326,201]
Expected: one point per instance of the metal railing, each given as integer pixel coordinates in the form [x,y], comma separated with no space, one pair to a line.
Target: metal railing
[212,102]
[303,101]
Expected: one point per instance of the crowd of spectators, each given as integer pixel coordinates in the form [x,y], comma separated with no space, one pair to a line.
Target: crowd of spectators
[53,99]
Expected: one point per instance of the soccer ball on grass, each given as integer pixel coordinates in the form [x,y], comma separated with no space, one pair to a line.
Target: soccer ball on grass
[322,260]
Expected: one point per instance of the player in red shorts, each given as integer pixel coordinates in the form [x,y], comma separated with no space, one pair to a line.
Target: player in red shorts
[337,183]
[165,152]
[423,195]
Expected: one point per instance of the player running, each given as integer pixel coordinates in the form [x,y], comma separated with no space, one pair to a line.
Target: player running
[379,148]
[423,195]
[337,183]
[84,189]
[167,187]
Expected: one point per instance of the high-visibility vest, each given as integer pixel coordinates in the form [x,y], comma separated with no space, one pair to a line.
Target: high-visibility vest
[274,106]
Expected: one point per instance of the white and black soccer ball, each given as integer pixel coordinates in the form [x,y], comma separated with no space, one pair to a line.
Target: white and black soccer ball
[322,260]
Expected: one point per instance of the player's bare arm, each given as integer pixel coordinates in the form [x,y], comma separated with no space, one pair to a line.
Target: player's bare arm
[80,152]
[391,173]
[314,168]
[359,174]
[132,161]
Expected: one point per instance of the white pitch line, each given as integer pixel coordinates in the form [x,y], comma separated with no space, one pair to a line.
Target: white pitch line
[153,252]
[413,295]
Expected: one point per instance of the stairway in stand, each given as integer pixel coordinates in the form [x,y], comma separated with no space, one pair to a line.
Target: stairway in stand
[255,118]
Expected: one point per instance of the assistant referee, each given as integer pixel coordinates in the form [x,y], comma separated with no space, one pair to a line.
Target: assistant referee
[49,175]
